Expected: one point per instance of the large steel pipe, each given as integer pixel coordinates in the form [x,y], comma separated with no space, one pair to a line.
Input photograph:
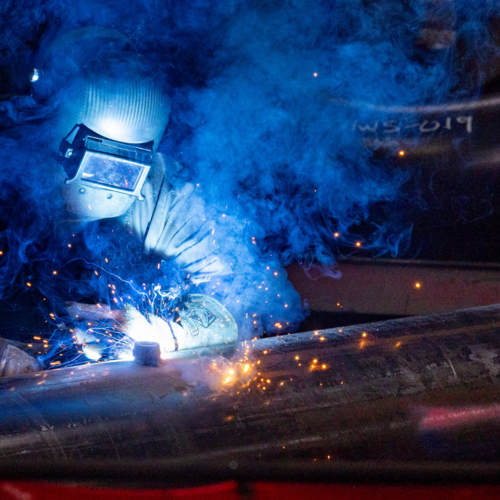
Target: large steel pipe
[415,388]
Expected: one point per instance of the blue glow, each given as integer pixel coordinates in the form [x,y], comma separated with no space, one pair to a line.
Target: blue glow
[260,126]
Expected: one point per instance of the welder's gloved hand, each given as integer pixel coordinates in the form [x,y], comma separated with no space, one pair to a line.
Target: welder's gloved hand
[91,316]
[173,225]
[14,361]
[203,324]
[151,329]
[92,347]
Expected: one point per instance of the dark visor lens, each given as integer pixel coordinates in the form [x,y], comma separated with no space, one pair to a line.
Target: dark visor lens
[111,171]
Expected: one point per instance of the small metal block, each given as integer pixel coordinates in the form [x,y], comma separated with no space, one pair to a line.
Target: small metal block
[147,353]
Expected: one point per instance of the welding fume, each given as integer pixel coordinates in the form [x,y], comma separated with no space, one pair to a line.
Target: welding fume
[168,161]
[109,112]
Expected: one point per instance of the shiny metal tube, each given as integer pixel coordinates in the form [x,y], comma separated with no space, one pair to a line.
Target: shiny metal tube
[411,389]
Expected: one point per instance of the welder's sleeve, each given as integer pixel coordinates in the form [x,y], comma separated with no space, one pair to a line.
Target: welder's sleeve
[173,224]
[14,361]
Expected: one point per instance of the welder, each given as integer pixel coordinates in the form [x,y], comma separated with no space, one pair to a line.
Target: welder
[110,116]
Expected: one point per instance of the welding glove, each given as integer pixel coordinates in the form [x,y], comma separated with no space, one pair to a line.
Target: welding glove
[14,361]
[134,324]
[90,316]
[203,324]
[92,347]
[173,224]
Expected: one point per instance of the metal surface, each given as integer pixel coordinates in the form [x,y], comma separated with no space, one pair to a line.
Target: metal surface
[397,287]
[418,388]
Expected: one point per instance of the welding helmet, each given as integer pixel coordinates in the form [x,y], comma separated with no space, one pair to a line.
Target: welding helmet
[110,114]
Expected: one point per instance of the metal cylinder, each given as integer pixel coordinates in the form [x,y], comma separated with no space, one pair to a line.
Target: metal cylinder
[410,389]
[147,353]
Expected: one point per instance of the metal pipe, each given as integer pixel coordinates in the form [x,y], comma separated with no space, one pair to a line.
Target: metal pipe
[411,389]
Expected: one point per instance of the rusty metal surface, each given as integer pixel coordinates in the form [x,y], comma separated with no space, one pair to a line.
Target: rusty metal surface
[418,388]
[395,287]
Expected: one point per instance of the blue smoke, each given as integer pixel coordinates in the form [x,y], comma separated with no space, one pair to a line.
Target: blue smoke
[265,98]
